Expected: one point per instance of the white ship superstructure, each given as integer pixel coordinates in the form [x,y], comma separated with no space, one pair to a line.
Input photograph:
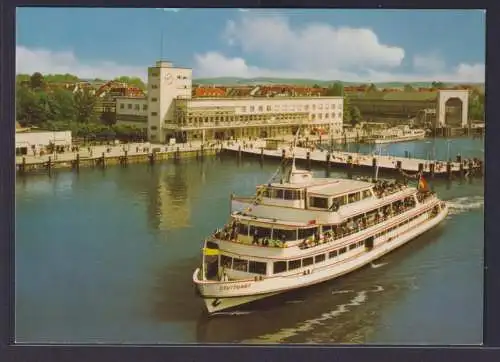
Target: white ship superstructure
[303,230]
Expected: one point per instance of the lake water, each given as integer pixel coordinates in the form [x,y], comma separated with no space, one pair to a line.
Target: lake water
[108,255]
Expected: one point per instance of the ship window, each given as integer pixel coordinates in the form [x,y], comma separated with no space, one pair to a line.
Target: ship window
[262,232]
[353,246]
[284,235]
[319,258]
[212,245]
[257,267]
[305,233]
[327,227]
[353,197]
[240,264]
[225,261]
[343,250]
[292,195]
[278,194]
[339,200]
[367,194]
[319,202]
[279,267]
[243,229]
[332,254]
[294,264]
[307,261]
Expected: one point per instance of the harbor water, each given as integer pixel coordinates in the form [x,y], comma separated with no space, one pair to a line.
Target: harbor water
[107,256]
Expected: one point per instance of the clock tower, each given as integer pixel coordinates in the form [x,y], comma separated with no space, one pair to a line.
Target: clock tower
[166,83]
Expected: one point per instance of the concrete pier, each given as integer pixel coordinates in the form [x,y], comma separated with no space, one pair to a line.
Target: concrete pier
[353,161]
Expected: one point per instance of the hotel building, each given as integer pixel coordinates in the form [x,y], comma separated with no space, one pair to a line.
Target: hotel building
[169,111]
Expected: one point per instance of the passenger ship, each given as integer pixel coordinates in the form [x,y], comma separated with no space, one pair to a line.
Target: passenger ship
[298,230]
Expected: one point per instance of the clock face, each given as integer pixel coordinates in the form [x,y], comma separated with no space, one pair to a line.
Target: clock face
[169,78]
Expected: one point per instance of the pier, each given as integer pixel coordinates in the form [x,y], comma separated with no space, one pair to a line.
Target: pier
[356,161]
[104,156]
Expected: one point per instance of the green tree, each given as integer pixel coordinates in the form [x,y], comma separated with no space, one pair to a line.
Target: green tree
[409,88]
[37,81]
[108,118]
[30,107]
[355,115]
[133,81]
[316,86]
[335,90]
[437,85]
[372,88]
[84,106]
[62,105]
[347,116]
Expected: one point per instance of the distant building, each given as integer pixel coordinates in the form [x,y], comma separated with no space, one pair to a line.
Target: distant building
[170,111]
[439,108]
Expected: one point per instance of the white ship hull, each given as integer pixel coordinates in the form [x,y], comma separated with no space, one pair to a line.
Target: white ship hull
[413,137]
[221,295]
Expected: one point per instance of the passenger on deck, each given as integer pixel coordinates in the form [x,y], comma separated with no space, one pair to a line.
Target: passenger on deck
[255,239]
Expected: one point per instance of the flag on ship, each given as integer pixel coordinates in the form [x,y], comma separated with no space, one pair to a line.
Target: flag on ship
[210,252]
[422,184]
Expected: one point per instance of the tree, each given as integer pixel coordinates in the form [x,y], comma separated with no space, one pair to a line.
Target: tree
[335,90]
[372,88]
[62,105]
[133,81]
[84,106]
[437,85]
[30,107]
[108,118]
[409,88]
[37,81]
[316,86]
[355,115]
[347,116]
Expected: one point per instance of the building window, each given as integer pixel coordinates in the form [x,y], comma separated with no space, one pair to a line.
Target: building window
[261,108]
[326,115]
[340,115]
[268,108]
[320,106]
[320,116]
[333,106]
[306,107]
[154,114]
[153,128]
[333,115]
[243,109]
[122,106]
[327,106]
[313,107]
[144,107]
[252,109]
[154,86]
[129,106]
[154,99]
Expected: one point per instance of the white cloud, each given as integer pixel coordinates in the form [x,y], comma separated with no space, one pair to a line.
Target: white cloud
[173,10]
[50,62]
[324,52]
[431,63]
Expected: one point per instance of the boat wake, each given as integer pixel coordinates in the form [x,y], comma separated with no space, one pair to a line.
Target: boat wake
[375,266]
[463,204]
[235,313]
[282,335]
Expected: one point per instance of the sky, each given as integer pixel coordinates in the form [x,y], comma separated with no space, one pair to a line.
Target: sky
[324,44]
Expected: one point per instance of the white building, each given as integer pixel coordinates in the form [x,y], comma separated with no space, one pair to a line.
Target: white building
[172,113]
[28,142]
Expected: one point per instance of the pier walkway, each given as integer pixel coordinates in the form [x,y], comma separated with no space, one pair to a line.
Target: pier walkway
[366,161]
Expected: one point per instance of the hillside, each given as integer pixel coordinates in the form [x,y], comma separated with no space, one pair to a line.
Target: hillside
[291,81]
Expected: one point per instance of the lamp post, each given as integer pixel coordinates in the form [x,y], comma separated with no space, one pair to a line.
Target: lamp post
[448,154]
